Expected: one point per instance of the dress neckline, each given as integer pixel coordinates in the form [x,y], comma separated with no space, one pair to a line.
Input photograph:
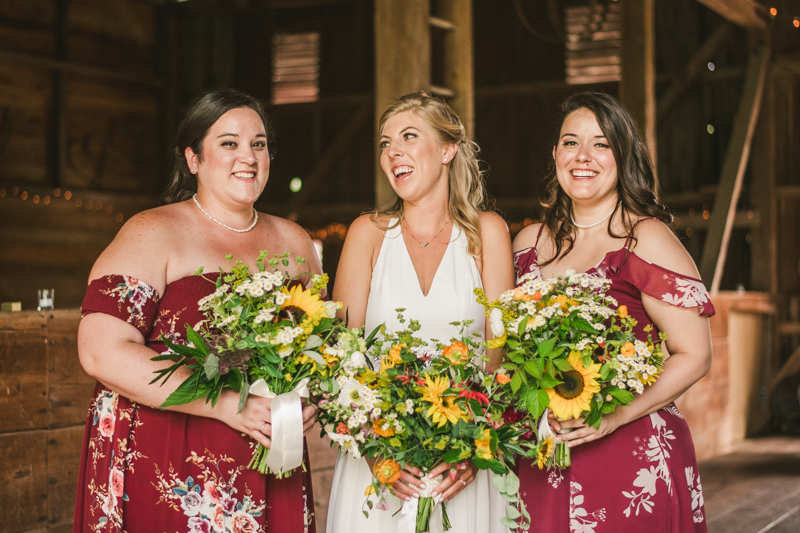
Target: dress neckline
[438,267]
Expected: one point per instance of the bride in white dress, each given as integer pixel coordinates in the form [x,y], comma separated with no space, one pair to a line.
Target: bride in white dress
[427,254]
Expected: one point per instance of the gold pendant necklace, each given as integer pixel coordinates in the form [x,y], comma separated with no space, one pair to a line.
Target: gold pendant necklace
[424,244]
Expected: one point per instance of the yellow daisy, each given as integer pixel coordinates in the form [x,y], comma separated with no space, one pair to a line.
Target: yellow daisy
[572,397]
[483,446]
[442,409]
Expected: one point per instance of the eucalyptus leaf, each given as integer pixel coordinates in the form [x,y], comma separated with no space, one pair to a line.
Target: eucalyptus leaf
[211,366]
[512,513]
[315,356]
[313,341]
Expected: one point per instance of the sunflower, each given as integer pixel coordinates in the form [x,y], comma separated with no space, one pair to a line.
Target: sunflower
[442,409]
[546,448]
[302,300]
[572,397]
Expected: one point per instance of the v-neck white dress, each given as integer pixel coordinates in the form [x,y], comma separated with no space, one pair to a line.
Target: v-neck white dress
[394,284]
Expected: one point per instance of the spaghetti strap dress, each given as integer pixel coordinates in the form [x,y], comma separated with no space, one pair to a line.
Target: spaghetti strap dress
[147,470]
[643,476]
[394,284]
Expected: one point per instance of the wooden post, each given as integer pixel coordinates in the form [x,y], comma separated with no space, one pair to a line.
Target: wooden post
[637,88]
[459,71]
[745,13]
[715,248]
[402,64]
[58,143]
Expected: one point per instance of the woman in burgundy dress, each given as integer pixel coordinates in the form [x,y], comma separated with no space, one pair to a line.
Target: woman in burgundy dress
[184,468]
[638,471]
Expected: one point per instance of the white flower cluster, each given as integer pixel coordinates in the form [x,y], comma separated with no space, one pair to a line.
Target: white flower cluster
[264,315]
[587,281]
[286,335]
[221,293]
[260,284]
[634,371]
[425,353]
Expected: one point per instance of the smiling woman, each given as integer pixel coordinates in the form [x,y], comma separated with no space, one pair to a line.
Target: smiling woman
[192,458]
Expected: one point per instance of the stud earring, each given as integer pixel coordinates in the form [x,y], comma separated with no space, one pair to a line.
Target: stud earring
[444,160]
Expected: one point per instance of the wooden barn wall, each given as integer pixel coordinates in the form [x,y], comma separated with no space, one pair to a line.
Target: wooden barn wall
[63,195]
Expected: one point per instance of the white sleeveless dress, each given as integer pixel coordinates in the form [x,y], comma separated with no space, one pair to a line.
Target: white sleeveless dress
[478,508]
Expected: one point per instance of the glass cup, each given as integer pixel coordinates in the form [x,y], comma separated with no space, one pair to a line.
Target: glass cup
[46,298]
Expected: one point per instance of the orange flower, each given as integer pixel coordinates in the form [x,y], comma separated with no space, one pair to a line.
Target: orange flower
[502,378]
[622,311]
[387,471]
[377,427]
[628,350]
[519,295]
[394,353]
[537,296]
[341,429]
[457,353]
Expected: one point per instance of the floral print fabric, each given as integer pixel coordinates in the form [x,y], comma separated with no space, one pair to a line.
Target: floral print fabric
[144,469]
[644,476]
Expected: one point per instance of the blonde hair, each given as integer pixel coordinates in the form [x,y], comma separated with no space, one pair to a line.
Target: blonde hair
[468,197]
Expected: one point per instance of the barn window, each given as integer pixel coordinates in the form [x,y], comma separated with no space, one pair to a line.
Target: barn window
[295,67]
[593,42]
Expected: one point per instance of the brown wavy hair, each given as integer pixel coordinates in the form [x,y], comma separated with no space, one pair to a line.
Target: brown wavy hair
[203,112]
[467,196]
[637,184]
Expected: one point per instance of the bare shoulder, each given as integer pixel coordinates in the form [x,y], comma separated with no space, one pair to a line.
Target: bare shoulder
[657,244]
[492,225]
[365,231]
[143,245]
[526,238]
[286,228]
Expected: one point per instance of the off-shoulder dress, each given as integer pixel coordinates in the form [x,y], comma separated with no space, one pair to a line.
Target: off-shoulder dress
[145,469]
[643,476]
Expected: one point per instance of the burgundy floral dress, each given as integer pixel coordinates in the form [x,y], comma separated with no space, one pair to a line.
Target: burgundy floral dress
[148,470]
[643,477]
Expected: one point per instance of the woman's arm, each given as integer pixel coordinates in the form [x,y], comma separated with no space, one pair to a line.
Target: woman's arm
[497,269]
[688,339]
[354,274]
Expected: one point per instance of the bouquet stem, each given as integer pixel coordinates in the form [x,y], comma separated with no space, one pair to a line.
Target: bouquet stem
[562,456]
[424,512]
[259,462]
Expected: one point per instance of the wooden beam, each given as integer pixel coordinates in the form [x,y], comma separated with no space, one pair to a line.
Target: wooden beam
[637,87]
[697,64]
[459,70]
[402,64]
[745,13]
[340,143]
[715,248]
[82,69]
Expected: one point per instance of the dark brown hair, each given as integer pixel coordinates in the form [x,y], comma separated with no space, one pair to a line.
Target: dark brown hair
[637,185]
[203,112]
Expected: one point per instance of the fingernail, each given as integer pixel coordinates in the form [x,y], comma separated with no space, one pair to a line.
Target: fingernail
[416,495]
[423,486]
[430,476]
[407,499]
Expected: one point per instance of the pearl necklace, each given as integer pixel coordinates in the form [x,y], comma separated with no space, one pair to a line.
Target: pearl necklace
[587,226]
[253,225]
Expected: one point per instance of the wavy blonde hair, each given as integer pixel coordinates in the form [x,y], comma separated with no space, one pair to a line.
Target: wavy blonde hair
[467,197]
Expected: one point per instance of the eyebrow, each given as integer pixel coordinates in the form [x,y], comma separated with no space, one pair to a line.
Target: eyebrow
[402,131]
[575,135]
[236,135]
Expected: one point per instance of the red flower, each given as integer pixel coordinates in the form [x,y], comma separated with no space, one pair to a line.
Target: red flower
[471,395]
[512,416]
[341,429]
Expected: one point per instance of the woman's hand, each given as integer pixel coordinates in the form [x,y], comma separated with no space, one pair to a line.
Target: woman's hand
[309,418]
[407,486]
[449,487]
[581,433]
[255,419]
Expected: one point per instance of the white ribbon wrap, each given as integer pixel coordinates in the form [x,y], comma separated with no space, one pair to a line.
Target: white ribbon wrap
[408,513]
[286,452]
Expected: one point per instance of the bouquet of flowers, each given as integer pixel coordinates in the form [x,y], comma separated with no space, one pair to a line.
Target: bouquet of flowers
[422,407]
[570,349]
[262,335]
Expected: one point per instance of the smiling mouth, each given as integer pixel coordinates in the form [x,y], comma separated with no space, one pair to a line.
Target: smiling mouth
[245,175]
[583,174]
[402,172]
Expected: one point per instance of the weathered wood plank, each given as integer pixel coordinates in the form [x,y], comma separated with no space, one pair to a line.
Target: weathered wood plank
[23,481]
[637,88]
[459,72]
[730,184]
[23,379]
[63,463]
[70,388]
[399,69]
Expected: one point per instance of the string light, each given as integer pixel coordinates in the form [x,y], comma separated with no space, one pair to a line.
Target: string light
[46,199]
